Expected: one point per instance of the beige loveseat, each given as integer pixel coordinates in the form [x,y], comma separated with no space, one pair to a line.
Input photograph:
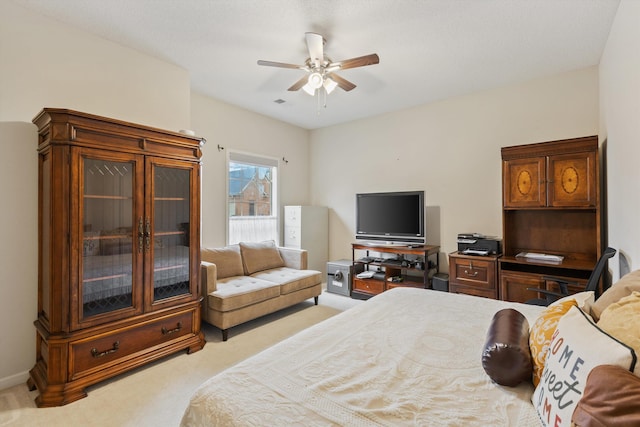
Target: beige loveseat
[248,280]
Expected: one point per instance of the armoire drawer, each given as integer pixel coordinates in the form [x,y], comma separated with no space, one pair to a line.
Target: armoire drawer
[93,353]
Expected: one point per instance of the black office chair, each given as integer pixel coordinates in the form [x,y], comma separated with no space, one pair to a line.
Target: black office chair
[592,283]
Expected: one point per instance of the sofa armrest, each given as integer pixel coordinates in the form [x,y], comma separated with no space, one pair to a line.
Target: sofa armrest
[209,273]
[294,258]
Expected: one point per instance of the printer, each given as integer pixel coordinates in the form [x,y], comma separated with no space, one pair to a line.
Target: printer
[479,244]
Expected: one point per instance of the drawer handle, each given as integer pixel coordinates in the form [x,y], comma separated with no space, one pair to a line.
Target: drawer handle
[475,273]
[95,353]
[166,331]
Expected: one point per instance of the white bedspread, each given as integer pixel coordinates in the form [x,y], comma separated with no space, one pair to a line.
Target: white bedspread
[405,357]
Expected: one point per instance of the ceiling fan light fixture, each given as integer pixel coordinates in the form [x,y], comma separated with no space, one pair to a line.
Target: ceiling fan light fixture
[310,90]
[329,84]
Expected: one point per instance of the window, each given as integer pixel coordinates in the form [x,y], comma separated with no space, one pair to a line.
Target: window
[252,207]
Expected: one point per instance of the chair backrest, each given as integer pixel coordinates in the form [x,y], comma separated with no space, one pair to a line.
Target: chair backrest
[592,283]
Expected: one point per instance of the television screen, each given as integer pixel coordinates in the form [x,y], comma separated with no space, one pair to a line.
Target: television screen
[392,217]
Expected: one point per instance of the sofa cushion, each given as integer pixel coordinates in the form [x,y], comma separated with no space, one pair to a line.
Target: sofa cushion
[240,291]
[227,260]
[260,256]
[290,279]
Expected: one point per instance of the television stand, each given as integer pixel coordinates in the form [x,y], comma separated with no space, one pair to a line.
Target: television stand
[400,266]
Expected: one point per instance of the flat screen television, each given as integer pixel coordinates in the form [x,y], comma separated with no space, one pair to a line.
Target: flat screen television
[392,217]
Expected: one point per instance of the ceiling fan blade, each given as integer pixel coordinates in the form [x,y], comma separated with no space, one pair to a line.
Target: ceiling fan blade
[344,84]
[297,85]
[281,65]
[315,44]
[360,61]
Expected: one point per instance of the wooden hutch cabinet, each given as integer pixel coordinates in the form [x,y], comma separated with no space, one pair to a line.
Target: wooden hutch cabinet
[119,250]
[551,205]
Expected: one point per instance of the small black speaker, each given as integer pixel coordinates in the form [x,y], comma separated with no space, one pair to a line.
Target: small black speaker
[440,282]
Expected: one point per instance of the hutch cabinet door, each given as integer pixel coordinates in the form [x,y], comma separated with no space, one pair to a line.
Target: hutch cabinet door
[105,212]
[524,183]
[170,228]
[513,286]
[573,180]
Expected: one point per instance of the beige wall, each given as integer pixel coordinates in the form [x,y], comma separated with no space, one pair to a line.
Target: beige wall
[235,129]
[620,127]
[46,64]
[449,149]
[18,262]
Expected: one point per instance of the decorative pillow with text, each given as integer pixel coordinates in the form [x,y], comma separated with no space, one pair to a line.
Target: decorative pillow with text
[577,346]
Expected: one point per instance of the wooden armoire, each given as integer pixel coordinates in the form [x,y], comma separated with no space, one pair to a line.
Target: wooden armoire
[551,205]
[119,250]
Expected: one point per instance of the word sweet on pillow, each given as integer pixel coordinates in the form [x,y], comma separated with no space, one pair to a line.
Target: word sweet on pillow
[506,357]
[622,321]
[542,331]
[577,347]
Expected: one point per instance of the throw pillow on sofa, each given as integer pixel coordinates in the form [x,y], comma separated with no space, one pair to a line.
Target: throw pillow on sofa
[260,256]
[227,260]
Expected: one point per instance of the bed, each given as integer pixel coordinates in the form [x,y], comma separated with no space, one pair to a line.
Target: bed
[405,357]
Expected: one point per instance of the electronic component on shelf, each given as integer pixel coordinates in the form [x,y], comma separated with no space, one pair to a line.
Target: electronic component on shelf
[477,241]
[379,275]
[479,251]
[366,274]
[540,257]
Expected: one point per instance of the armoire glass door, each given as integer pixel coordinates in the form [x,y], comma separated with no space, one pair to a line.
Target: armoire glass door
[108,210]
[171,231]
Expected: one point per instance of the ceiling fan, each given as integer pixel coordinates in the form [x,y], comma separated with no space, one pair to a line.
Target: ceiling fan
[321,70]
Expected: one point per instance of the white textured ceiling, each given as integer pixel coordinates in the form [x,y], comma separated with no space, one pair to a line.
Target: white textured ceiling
[429,49]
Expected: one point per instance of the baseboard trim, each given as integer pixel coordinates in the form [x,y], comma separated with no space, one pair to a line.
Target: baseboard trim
[15,379]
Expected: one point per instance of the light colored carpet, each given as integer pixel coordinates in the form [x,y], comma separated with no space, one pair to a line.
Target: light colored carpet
[157,394]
